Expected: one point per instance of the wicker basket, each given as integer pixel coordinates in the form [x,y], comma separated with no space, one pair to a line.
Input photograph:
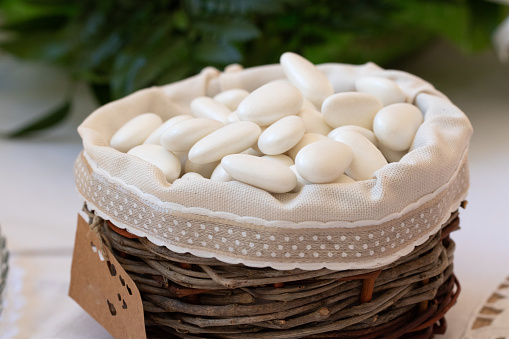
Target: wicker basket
[186,296]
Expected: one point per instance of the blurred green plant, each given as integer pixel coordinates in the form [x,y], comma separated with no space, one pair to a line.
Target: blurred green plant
[120,46]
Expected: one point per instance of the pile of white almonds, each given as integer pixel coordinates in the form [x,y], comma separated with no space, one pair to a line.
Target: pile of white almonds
[285,134]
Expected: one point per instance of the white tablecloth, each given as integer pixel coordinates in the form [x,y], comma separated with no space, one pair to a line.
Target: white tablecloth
[39,204]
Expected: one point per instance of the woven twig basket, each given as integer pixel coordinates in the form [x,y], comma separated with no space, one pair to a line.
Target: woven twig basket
[186,296]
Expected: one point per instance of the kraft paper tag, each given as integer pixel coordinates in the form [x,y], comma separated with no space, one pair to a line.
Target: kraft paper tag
[103,289]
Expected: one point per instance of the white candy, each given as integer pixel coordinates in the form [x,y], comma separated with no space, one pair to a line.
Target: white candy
[205,170]
[313,84]
[300,180]
[387,90]
[135,131]
[232,98]
[166,161]
[344,179]
[284,159]
[232,117]
[313,120]
[220,174]
[266,174]
[205,107]
[306,104]
[364,131]
[281,135]
[192,175]
[351,108]
[252,151]
[307,139]
[230,139]
[182,136]
[155,137]
[390,155]
[183,158]
[323,161]
[270,102]
[366,157]
[395,125]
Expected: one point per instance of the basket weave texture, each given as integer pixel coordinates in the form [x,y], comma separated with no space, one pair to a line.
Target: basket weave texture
[190,297]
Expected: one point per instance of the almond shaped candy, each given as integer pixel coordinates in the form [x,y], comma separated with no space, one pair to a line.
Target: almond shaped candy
[182,136]
[232,97]
[266,174]
[323,161]
[395,125]
[387,90]
[313,120]
[284,159]
[220,174]
[366,157]
[230,139]
[307,139]
[155,137]
[351,108]
[205,170]
[135,131]
[364,131]
[206,107]
[304,75]
[301,182]
[270,102]
[166,161]
[281,135]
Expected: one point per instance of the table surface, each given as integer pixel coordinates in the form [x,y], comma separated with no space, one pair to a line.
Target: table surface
[39,202]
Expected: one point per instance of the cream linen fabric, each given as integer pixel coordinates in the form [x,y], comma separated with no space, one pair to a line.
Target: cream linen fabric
[339,226]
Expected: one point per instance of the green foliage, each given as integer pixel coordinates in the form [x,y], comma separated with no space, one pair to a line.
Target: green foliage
[124,45]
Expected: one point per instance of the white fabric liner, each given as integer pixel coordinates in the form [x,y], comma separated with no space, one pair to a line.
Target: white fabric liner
[436,155]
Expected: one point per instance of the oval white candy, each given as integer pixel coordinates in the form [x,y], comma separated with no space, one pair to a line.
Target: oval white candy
[135,131]
[395,125]
[351,108]
[166,161]
[183,158]
[344,179]
[305,76]
[281,135]
[366,157]
[391,155]
[252,151]
[192,175]
[323,161]
[387,90]
[231,98]
[232,118]
[155,137]
[230,139]
[182,136]
[364,131]
[300,180]
[220,174]
[284,159]
[313,120]
[307,139]
[270,102]
[266,174]
[205,170]
[205,107]
[306,104]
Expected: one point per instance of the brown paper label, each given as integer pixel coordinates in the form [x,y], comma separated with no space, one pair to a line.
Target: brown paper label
[103,289]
